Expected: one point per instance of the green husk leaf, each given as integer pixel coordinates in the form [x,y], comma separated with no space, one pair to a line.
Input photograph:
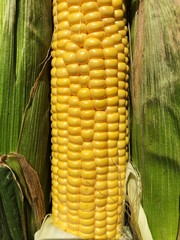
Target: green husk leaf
[155,96]
[25,39]
[12,215]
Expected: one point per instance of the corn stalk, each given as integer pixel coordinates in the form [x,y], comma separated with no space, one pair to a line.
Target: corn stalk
[25,38]
[155,99]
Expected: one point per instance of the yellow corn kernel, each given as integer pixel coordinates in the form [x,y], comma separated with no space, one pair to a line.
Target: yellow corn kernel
[78,28]
[71,198]
[71,47]
[101,127]
[126,51]
[74,147]
[111,91]
[73,205]
[117,4]
[64,34]
[106,11]
[108,21]
[87,155]
[74,88]
[86,229]
[111,81]
[101,185]
[92,43]
[74,121]
[100,153]
[99,93]
[112,103]
[73,69]
[87,222]
[73,155]
[72,111]
[88,165]
[87,123]
[110,30]
[63,26]
[92,17]
[71,189]
[99,35]
[111,63]
[87,114]
[87,135]
[110,53]
[88,175]
[101,225]
[84,69]
[118,14]
[87,206]
[75,139]
[82,56]
[79,39]
[97,83]
[84,80]
[74,181]
[104,2]
[75,18]
[97,74]
[86,104]
[96,53]
[69,57]
[62,73]
[96,64]
[63,91]
[89,6]
[84,93]
[101,162]
[101,177]
[101,170]
[100,105]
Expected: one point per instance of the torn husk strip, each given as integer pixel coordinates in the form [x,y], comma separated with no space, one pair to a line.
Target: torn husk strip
[49,231]
[138,220]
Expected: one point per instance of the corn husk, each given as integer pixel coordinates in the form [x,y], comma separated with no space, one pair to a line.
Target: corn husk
[155,88]
[25,39]
[12,215]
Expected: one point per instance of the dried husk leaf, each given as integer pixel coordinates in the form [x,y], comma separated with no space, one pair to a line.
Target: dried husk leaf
[31,187]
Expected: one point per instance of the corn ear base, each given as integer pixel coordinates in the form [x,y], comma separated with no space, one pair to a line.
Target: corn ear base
[156,112]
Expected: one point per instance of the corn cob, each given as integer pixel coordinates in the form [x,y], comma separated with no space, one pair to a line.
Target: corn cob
[89,116]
